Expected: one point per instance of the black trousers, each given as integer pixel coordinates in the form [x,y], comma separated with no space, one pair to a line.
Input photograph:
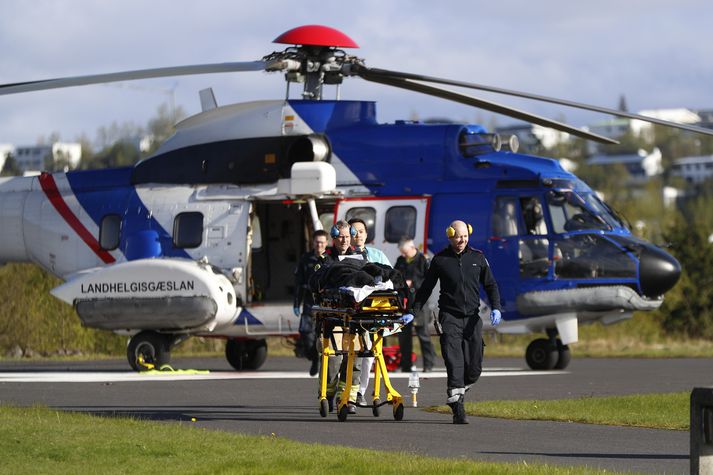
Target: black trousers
[308,334]
[406,346]
[462,348]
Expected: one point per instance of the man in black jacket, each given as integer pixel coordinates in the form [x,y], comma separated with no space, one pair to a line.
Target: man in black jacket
[461,271]
[309,263]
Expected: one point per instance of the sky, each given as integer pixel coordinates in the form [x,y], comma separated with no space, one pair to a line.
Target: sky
[654,52]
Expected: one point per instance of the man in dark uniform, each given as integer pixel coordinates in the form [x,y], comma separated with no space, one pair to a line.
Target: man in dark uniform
[413,265]
[309,263]
[461,271]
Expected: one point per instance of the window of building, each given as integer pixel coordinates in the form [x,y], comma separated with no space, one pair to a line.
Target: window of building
[188,229]
[368,215]
[400,223]
[109,232]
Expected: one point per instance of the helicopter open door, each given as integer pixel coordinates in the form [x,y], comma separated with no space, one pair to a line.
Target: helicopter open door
[388,220]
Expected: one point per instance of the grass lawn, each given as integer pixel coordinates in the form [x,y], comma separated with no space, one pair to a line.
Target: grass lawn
[658,411]
[40,440]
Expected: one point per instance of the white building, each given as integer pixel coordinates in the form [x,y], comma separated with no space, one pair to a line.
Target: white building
[641,166]
[680,115]
[693,169]
[35,157]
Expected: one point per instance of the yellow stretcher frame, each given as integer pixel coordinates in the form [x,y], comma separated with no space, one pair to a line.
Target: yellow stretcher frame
[381,311]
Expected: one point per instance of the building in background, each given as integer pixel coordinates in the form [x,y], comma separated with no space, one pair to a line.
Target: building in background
[694,170]
[57,156]
[641,165]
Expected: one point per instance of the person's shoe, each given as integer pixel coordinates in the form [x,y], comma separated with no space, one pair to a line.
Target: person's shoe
[459,413]
[360,400]
[351,407]
[314,368]
[427,369]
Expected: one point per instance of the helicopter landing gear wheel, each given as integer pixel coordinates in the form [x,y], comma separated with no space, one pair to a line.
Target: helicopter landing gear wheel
[246,355]
[541,354]
[150,347]
[564,355]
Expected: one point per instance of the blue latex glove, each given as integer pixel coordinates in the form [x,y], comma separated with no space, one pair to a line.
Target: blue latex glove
[495,317]
[296,310]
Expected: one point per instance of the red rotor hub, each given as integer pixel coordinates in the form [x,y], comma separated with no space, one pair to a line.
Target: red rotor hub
[316,35]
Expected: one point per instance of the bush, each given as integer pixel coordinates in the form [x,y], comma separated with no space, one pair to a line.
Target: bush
[37,323]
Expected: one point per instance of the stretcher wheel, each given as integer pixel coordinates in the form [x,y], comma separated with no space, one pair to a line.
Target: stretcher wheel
[375,409]
[399,412]
[323,407]
[343,413]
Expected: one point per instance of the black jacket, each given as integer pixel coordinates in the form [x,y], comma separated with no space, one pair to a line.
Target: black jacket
[309,264]
[414,270]
[461,276]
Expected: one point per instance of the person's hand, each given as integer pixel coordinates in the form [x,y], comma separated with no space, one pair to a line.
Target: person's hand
[495,317]
[296,310]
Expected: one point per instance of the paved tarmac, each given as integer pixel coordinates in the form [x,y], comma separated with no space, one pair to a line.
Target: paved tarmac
[281,399]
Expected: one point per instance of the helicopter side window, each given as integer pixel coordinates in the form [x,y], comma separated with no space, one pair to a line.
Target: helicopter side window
[188,229]
[109,232]
[400,223]
[532,250]
[504,221]
[368,215]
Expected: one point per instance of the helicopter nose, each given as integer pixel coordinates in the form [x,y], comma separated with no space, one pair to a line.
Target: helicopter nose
[658,271]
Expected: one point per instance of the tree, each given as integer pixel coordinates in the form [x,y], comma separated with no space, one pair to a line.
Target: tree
[11,168]
[688,308]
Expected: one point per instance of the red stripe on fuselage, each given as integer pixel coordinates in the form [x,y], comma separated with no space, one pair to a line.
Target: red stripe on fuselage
[50,188]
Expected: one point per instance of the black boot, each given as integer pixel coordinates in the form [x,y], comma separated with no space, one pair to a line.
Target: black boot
[458,412]
[314,368]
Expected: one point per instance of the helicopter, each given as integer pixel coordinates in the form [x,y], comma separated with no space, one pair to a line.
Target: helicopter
[201,238]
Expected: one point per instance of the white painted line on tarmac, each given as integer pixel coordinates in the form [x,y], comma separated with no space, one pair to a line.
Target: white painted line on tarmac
[130,376]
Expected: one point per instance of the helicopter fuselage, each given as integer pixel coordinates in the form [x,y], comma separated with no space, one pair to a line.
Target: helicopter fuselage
[215,221]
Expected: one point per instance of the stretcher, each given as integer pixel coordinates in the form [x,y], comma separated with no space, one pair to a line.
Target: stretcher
[364,322]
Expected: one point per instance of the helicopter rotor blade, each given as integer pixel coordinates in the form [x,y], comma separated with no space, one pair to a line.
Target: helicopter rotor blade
[384,73]
[483,104]
[131,75]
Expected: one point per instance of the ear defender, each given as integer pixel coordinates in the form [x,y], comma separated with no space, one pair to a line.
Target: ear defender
[334,232]
[450,232]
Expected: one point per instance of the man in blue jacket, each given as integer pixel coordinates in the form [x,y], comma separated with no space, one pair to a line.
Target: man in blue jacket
[461,271]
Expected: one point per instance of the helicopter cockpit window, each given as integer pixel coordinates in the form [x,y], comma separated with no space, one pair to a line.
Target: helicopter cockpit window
[368,215]
[603,210]
[589,256]
[188,229]
[569,212]
[533,216]
[400,223]
[109,232]
[504,221]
